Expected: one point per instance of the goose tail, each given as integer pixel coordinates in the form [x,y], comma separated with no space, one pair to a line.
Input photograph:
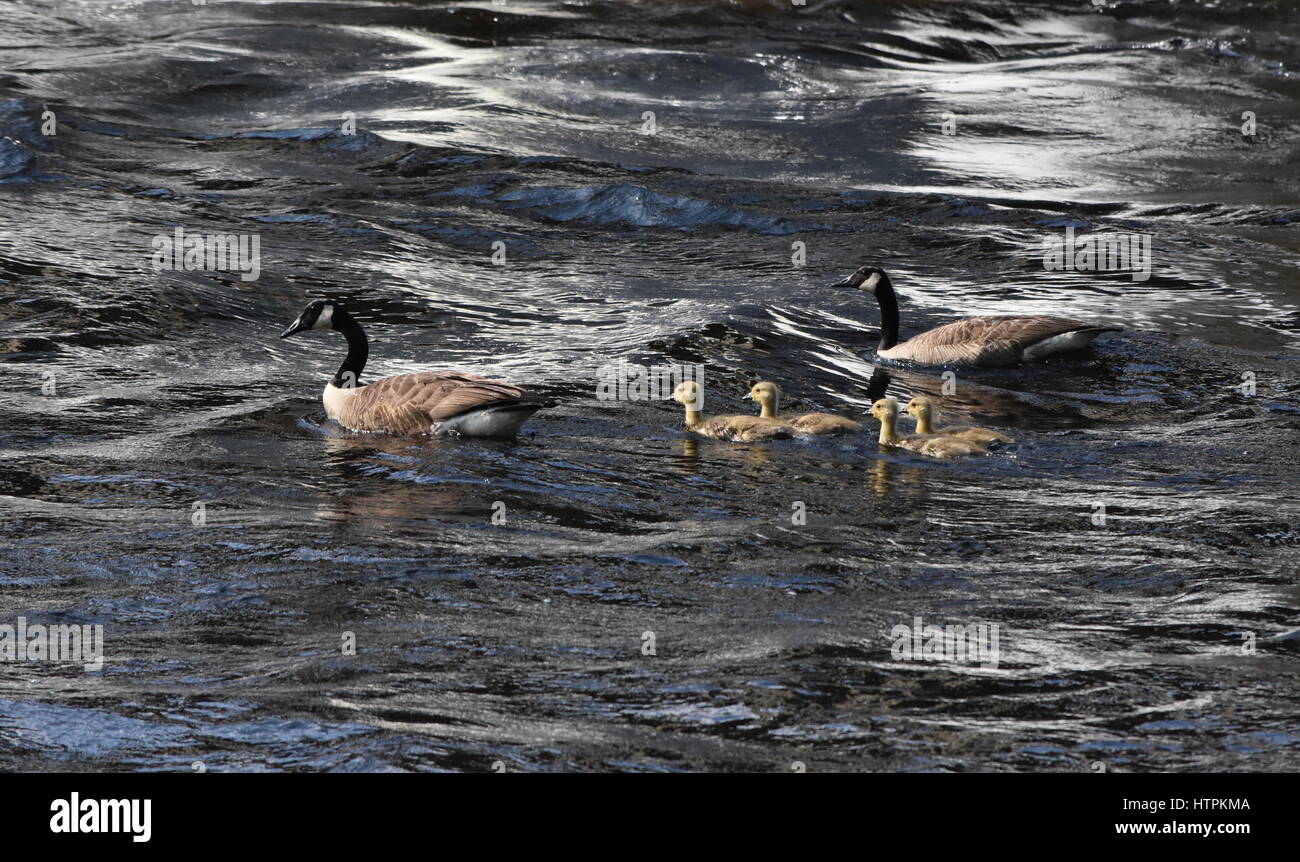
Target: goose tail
[502,419]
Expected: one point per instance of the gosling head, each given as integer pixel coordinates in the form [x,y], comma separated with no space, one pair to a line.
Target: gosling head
[920,407]
[765,392]
[320,314]
[865,278]
[690,393]
[886,409]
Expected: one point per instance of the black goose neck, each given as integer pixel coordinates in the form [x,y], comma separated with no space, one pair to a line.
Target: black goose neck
[888,303]
[349,373]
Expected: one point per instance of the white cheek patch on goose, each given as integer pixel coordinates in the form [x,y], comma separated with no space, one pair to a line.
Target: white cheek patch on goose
[870,283]
[323,320]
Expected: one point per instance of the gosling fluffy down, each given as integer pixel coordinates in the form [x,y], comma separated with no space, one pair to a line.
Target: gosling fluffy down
[932,445]
[768,396]
[922,409]
[736,429]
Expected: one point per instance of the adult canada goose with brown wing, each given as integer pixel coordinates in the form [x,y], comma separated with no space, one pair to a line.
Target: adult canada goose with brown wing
[973,340]
[427,402]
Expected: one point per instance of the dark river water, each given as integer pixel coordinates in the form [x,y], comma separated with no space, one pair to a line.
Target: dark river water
[662,182]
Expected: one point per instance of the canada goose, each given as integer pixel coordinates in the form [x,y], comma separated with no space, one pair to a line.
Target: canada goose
[922,407]
[738,429]
[936,446]
[768,395]
[433,402]
[973,340]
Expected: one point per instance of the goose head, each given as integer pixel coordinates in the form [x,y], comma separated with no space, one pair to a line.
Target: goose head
[690,393]
[920,407]
[767,394]
[864,278]
[886,410]
[317,315]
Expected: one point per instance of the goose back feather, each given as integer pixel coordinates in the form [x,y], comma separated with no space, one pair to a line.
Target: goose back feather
[998,340]
[427,402]
[824,423]
[743,429]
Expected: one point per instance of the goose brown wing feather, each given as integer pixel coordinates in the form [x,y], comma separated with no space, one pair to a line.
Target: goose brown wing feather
[986,340]
[1020,329]
[410,403]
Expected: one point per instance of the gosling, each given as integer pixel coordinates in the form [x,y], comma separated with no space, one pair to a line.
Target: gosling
[933,445]
[768,396]
[736,429]
[922,409]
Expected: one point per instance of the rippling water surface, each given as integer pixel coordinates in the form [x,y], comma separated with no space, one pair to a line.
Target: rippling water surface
[129,395]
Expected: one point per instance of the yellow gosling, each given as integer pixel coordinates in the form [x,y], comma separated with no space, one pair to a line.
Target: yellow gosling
[768,396]
[933,445]
[922,408]
[737,429]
